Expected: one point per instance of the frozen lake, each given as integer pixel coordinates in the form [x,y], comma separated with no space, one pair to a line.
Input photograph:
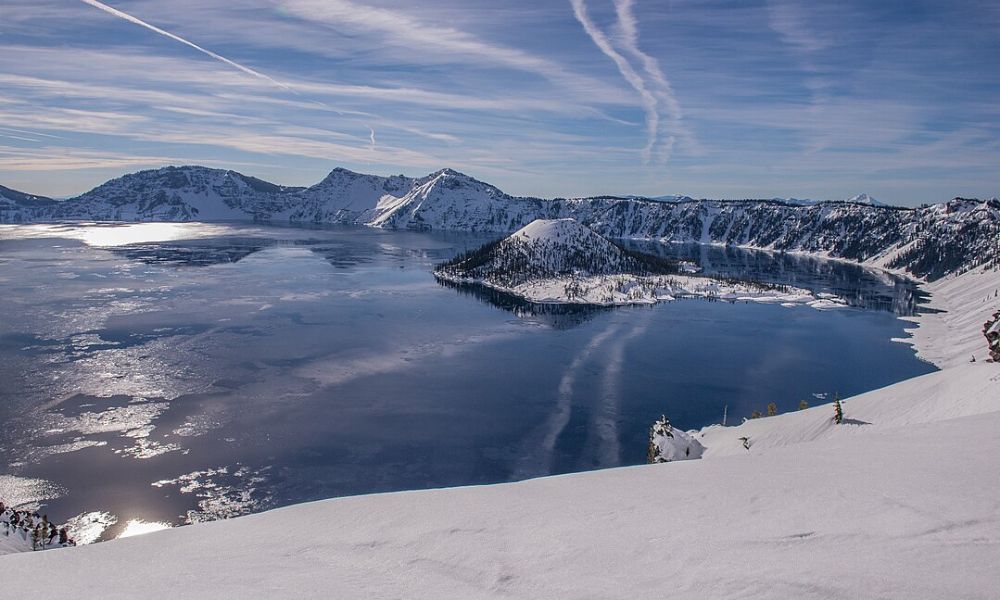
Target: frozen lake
[167,373]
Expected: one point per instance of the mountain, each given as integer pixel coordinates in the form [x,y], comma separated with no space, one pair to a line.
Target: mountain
[178,194]
[549,248]
[17,207]
[864,199]
[927,242]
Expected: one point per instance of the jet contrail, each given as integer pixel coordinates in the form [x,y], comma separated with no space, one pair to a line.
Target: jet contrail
[252,72]
[122,15]
[649,100]
[630,40]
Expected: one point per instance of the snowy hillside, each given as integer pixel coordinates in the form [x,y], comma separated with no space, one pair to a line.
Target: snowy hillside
[927,242]
[549,248]
[901,507]
[177,194]
[18,207]
[562,261]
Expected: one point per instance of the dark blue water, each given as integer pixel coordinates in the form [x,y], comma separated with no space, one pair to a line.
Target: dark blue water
[237,368]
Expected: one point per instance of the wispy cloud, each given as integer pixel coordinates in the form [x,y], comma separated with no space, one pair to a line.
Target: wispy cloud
[398,27]
[788,20]
[782,97]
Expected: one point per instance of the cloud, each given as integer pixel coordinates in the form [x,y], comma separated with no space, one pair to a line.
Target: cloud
[455,45]
[789,21]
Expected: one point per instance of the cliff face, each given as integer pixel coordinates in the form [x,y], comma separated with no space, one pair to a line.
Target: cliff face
[992,332]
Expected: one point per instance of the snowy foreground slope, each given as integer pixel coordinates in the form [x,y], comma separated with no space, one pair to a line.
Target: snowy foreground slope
[902,508]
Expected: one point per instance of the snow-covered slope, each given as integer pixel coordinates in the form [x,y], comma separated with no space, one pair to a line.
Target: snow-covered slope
[19,207]
[348,197]
[547,248]
[178,194]
[953,333]
[902,508]
[927,242]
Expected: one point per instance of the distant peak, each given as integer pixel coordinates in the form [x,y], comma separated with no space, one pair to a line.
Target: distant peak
[863,199]
[341,171]
[449,172]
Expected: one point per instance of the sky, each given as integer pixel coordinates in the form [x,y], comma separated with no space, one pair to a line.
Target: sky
[707,98]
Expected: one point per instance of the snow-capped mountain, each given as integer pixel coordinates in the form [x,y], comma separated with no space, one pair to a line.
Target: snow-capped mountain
[177,194]
[549,248]
[926,242]
[17,207]
[863,199]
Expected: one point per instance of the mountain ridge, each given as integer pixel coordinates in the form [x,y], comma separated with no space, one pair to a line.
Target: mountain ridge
[927,242]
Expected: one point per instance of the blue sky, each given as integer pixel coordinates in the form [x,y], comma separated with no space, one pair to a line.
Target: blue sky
[547,98]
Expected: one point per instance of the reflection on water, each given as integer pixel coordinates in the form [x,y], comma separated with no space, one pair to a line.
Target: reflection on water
[860,287]
[198,372]
[193,253]
[556,316]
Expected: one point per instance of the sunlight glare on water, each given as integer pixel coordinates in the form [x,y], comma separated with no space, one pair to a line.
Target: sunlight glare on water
[111,235]
[139,527]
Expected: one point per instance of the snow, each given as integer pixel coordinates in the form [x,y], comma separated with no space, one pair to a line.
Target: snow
[553,230]
[898,501]
[617,290]
[926,242]
[553,261]
[955,335]
[902,508]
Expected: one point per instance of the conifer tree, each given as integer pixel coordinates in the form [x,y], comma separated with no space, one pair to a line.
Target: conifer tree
[755,414]
[772,409]
[838,410]
[660,428]
[803,405]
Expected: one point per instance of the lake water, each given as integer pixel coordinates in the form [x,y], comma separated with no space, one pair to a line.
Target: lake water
[168,373]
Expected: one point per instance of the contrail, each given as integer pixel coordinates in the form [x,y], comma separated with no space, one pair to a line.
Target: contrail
[630,40]
[252,72]
[649,101]
[123,15]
